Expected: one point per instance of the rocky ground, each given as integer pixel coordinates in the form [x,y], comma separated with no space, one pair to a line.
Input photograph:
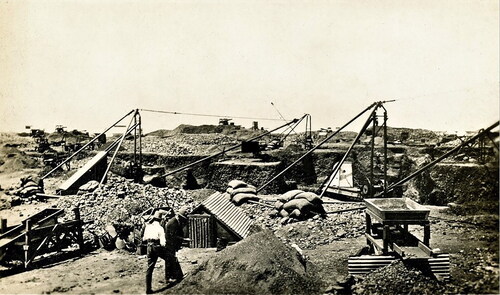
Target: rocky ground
[184,144]
[474,262]
[471,238]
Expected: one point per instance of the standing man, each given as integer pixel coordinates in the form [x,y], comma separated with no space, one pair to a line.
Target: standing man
[174,237]
[154,237]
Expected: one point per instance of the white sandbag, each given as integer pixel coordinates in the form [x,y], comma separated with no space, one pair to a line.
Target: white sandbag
[295,213]
[284,213]
[111,230]
[311,197]
[236,184]
[289,195]
[243,190]
[120,244]
[302,204]
[242,198]
[274,213]
[278,205]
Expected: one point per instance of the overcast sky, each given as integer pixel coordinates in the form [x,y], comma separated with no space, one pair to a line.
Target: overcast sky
[84,64]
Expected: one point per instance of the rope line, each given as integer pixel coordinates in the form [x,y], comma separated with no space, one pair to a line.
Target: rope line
[208,115]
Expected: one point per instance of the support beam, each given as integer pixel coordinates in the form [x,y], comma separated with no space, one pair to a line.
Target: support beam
[414,174]
[86,145]
[314,148]
[339,164]
[227,150]
[116,151]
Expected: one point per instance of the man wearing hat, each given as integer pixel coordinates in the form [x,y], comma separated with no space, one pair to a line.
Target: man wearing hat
[154,237]
[174,237]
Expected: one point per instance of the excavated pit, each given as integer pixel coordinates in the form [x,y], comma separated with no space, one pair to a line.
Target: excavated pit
[450,182]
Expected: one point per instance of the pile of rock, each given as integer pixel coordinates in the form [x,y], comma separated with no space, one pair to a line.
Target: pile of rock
[299,205]
[259,264]
[183,144]
[121,201]
[396,278]
[240,192]
[312,232]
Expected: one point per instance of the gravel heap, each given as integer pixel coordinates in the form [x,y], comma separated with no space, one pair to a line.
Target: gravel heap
[396,278]
[183,144]
[315,231]
[121,201]
[259,264]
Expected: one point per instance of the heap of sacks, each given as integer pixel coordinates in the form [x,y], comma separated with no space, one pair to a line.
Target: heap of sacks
[298,204]
[239,192]
[27,187]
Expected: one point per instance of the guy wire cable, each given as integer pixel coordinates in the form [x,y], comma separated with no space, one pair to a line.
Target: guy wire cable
[208,115]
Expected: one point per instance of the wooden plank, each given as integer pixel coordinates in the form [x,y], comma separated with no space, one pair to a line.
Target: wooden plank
[200,230]
[345,210]
[46,196]
[52,216]
[33,255]
[375,242]
[398,250]
[425,248]
[13,231]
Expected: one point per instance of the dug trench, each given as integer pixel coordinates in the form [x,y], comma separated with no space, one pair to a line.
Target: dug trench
[460,183]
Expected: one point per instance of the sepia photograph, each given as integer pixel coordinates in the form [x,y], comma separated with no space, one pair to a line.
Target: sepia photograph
[249,147]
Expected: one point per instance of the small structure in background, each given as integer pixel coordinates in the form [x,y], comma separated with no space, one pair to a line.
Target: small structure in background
[342,184]
[255,125]
[60,129]
[324,131]
[224,121]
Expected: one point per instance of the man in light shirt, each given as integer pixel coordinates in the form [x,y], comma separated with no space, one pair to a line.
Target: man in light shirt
[154,237]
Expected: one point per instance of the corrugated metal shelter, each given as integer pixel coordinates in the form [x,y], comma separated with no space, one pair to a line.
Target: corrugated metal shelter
[223,220]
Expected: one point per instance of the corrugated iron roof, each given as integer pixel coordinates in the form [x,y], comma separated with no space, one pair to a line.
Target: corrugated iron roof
[228,214]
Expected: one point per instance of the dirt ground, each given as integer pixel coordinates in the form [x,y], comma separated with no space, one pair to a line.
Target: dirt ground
[99,272]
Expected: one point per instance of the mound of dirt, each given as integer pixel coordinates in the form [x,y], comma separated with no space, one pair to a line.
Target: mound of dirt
[189,129]
[184,144]
[12,159]
[260,264]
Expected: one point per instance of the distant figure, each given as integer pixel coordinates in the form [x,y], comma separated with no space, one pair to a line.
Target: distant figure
[190,182]
[174,237]
[154,237]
